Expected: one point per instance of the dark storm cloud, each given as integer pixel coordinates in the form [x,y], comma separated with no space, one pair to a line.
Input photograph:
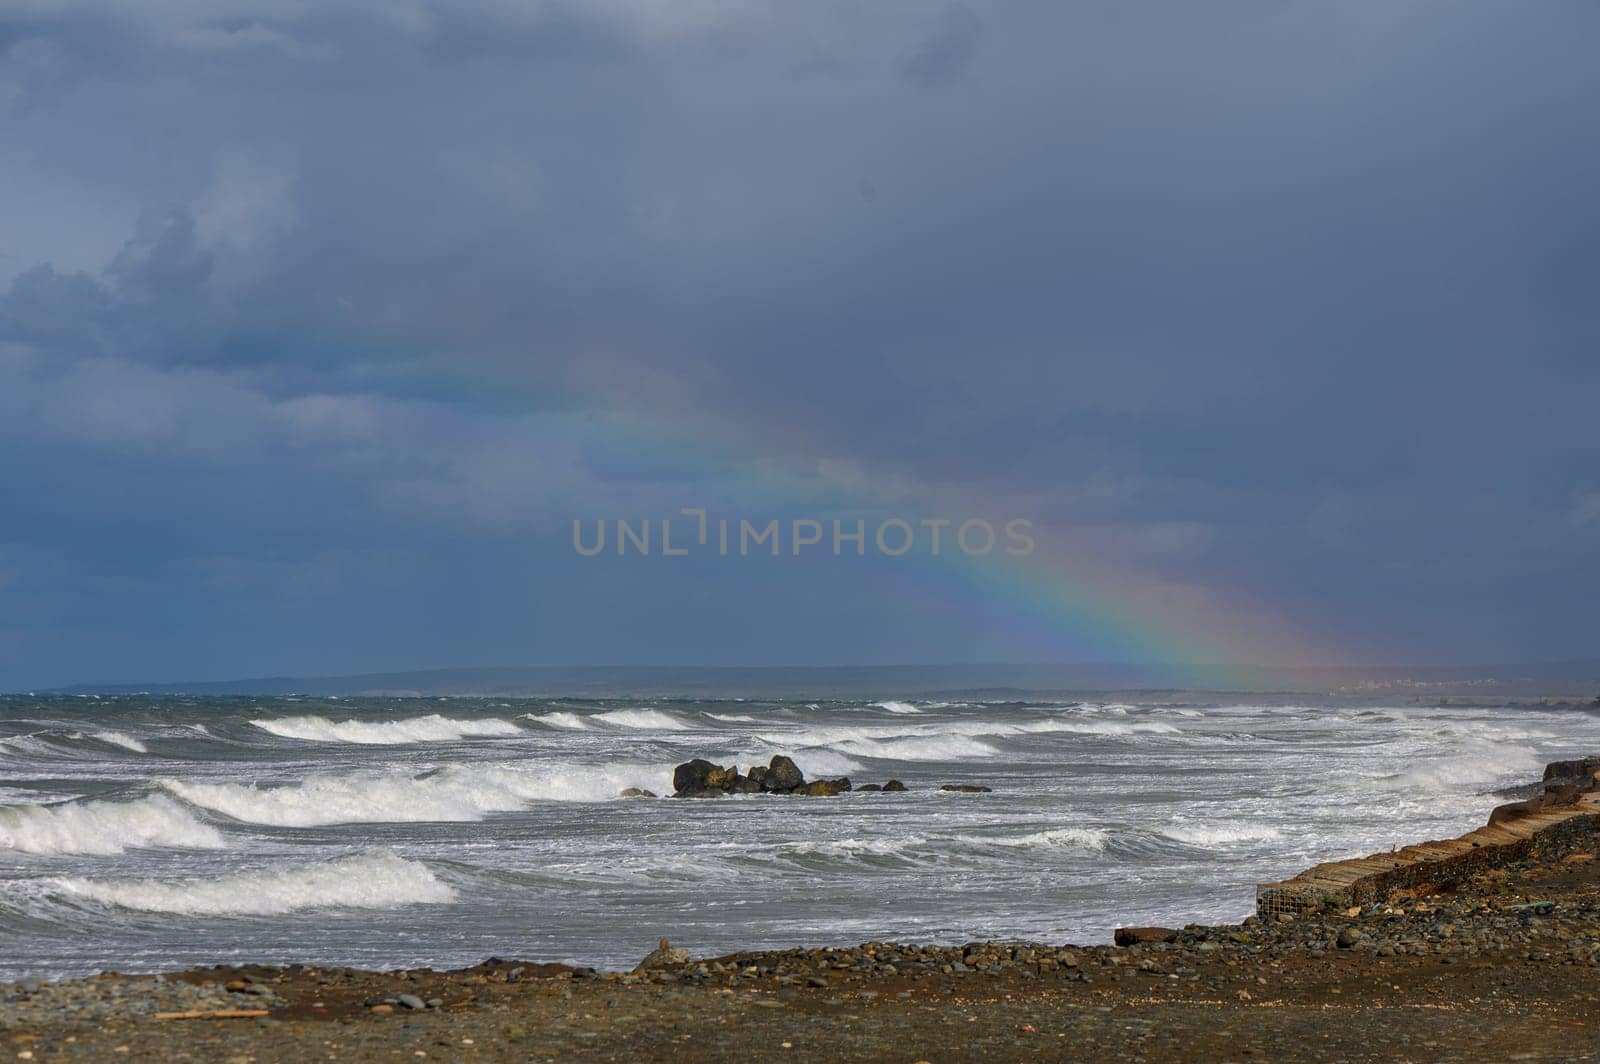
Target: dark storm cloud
[1293,299]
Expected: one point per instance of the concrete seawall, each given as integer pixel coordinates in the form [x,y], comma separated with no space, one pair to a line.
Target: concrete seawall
[1566,820]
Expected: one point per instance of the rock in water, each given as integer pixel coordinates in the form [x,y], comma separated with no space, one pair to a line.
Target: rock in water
[825,788]
[637,792]
[782,775]
[694,775]
[664,956]
[961,788]
[722,779]
[894,785]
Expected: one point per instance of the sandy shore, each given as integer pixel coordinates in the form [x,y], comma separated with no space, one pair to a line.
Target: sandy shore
[1503,967]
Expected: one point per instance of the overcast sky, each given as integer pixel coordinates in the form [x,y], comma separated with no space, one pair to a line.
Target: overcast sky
[321,322]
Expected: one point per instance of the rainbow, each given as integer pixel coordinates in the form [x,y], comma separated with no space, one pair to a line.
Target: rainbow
[1072,601]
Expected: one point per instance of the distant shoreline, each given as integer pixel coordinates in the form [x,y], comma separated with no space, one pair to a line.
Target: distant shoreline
[1575,682]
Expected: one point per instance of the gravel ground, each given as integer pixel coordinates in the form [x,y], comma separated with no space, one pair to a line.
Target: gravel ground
[1471,976]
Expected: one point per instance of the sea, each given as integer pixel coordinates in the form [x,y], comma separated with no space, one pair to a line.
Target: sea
[144,833]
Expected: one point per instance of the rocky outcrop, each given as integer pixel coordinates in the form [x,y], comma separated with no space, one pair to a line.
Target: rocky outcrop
[782,776]
[1565,784]
[965,788]
[1580,772]
[694,775]
[703,779]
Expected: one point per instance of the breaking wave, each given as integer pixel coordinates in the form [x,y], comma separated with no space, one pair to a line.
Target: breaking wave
[1478,758]
[376,879]
[116,738]
[643,719]
[452,793]
[430,729]
[103,827]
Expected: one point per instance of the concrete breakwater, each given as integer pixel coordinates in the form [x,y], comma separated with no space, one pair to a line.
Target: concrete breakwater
[1564,819]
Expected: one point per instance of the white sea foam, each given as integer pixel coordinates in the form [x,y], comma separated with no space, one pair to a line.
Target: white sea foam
[1101,727]
[642,719]
[452,793]
[898,707]
[1219,832]
[905,742]
[1484,763]
[103,827]
[1094,839]
[116,738]
[733,718]
[920,748]
[829,736]
[376,879]
[432,728]
[948,741]
[853,848]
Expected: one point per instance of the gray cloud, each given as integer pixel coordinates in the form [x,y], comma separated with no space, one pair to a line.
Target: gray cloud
[1287,301]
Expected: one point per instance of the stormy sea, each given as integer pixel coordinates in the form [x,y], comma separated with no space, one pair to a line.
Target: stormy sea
[147,833]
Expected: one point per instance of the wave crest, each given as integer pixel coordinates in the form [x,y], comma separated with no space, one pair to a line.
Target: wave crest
[558,719]
[642,719]
[103,827]
[455,793]
[432,728]
[116,738]
[376,879]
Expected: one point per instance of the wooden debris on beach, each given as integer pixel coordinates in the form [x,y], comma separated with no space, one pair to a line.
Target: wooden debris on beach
[212,1014]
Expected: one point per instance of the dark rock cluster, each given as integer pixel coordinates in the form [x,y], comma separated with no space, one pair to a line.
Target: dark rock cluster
[702,779]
